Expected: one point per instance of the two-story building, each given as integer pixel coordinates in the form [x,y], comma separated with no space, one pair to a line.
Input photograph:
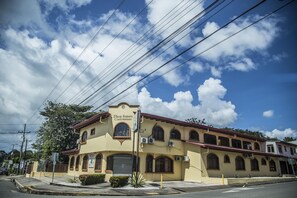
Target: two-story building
[287,151]
[176,149]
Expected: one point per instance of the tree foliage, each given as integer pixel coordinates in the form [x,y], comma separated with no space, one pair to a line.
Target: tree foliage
[289,139]
[196,121]
[248,132]
[55,134]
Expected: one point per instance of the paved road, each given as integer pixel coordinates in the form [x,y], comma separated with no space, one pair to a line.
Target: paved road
[282,190]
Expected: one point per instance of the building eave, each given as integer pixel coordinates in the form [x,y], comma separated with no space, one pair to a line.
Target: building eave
[230,149]
[70,152]
[199,126]
[90,120]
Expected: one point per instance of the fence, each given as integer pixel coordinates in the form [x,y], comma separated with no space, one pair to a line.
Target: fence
[48,167]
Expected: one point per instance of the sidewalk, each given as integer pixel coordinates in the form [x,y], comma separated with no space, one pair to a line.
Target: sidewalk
[62,186]
[43,185]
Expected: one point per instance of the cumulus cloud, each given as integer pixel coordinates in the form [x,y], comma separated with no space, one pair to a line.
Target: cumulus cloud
[216,72]
[268,113]
[212,107]
[281,134]
[235,53]
[65,5]
[17,14]
[175,14]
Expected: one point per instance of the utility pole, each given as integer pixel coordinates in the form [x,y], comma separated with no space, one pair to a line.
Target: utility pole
[21,151]
[137,148]
[25,156]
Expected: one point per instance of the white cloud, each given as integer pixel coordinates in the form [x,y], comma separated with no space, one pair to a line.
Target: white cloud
[244,65]
[182,12]
[268,113]
[16,14]
[281,134]
[65,5]
[195,67]
[235,53]
[212,107]
[216,72]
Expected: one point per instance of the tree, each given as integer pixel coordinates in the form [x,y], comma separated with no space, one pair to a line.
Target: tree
[289,139]
[55,134]
[196,121]
[248,132]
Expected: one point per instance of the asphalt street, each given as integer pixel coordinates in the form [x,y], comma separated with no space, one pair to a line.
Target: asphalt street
[280,190]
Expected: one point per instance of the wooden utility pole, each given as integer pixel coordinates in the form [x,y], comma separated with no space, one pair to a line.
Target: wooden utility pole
[21,151]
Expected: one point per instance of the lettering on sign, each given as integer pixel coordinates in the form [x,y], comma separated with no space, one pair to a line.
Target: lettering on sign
[122,117]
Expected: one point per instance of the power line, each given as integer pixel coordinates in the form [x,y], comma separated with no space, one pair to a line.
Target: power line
[155,48]
[201,23]
[120,4]
[95,81]
[183,52]
[211,47]
[100,53]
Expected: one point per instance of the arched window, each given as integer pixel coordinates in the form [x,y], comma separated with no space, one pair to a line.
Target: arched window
[239,163]
[226,159]
[254,165]
[174,134]
[84,137]
[85,163]
[121,131]
[72,163]
[194,136]
[256,146]
[263,162]
[213,162]
[272,166]
[98,162]
[149,164]
[164,165]
[158,133]
[77,163]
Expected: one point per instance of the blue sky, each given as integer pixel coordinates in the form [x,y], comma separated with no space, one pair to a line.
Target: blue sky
[249,81]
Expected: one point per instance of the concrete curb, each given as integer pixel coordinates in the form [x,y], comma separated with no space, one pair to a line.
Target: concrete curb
[131,192]
[33,190]
[19,186]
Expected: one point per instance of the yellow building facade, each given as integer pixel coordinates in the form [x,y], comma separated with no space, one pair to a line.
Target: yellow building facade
[176,149]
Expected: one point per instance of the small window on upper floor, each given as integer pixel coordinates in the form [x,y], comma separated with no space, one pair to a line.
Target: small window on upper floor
[210,139]
[292,150]
[247,145]
[158,133]
[224,141]
[256,146]
[285,148]
[194,136]
[270,148]
[236,143]
[84,137]
[121,131]
[93,131]
[175,134]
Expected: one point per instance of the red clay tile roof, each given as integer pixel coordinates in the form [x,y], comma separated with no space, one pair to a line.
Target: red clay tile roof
[70,152]
[188,124]
[91,120]
[231,149]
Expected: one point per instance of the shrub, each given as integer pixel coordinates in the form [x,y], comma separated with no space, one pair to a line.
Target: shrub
[118,181]
[140,181]
[92,179]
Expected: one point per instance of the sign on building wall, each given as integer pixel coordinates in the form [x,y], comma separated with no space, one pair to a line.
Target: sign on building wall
[122,117]
[91,160]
